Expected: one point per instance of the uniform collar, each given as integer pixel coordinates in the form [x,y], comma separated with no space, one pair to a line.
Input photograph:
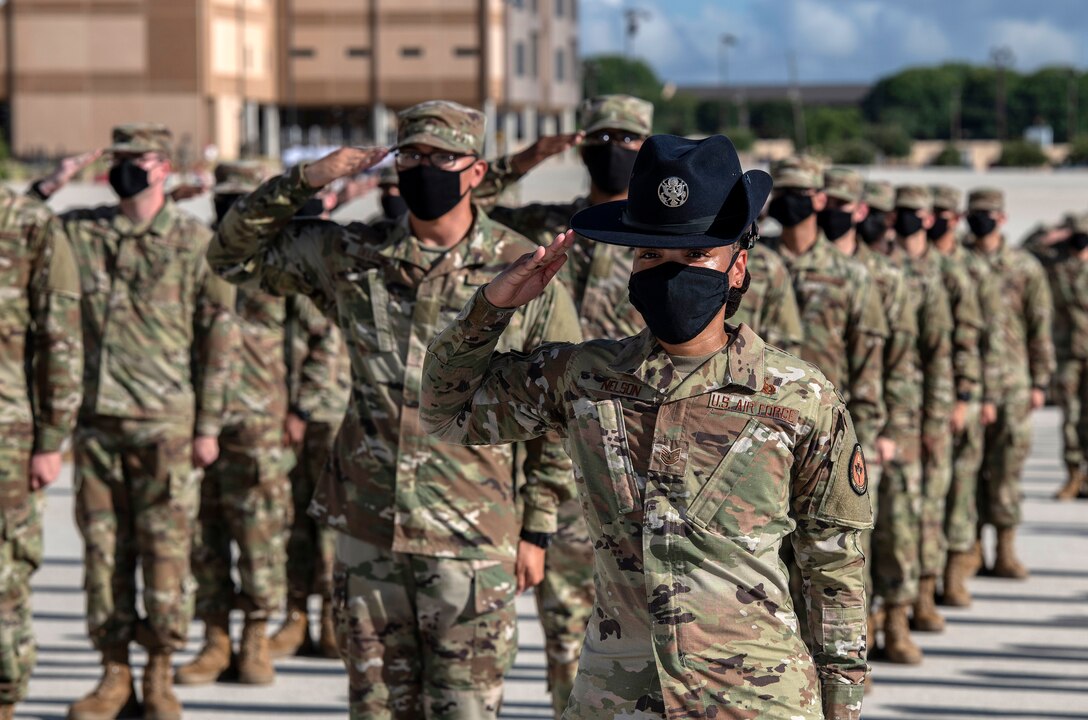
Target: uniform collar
[473,249]
[739,364]
[159,226]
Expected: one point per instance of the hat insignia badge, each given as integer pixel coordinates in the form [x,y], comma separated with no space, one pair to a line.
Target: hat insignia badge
[672,192]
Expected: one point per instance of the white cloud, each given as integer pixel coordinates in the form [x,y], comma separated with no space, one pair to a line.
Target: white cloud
[1034,42]
[824,31]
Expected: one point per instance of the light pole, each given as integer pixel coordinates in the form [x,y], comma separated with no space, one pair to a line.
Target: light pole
[1002,58]
[632,17]
[727,41]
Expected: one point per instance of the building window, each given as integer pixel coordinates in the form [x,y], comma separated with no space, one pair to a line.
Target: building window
[301,52]
[559,8]
[534,54]
[358,52]
[411,52]
[519,59]
[560,65]
[465,52]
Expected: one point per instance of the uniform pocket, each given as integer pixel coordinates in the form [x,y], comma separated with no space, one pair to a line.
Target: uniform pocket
[495,638]
[23,531]
[617,455]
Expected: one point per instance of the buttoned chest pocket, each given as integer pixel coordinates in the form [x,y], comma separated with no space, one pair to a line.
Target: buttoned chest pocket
[608,439]
[820,296]
[163,272]
[749,488]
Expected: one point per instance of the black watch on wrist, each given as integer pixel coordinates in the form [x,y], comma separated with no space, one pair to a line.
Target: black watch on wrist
[963,396]
[540,539]
[298,412]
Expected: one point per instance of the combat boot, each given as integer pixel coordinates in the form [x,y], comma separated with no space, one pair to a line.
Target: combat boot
[926,618]
[1007,565]
[213,660]
[293,637]
[1074,485]
[898,646]
[326,644]
[254,662]
[115,696]
[160,702]
[974,561]
[956,593]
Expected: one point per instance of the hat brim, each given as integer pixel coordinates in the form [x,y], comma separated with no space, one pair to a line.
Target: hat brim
[617,125]
[436,142]
[605,222]
[135,149]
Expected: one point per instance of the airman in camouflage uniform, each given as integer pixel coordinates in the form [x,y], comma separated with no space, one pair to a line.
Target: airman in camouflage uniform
[244,495]
[429,533]
[1069,284]
[41,356]
[976,369]
[910,548]
[875,230]
[693,618]
[1049,244]
[1028,359]
[151,312]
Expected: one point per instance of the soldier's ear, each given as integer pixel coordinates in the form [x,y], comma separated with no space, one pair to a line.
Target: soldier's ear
[819,201]
[476,172]
[860,213]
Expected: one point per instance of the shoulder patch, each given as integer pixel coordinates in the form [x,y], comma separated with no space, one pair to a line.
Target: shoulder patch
[859,474]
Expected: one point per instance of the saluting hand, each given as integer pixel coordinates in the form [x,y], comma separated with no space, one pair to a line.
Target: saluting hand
[525,279]
[69,167]
[345,162]
[543,149]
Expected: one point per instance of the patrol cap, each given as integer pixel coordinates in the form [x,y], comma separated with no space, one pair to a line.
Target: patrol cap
[139,138]
[1079,225]
[946,197]
[844,184]
[621,112]
[913,197]
[388,176]
[442,124]
[238,178]
[799,172]
[879,195]
[986,198]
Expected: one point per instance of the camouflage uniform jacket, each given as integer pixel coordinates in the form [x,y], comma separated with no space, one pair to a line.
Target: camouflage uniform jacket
[1028,352]
[991,305]
[845,328]
[41,352]
[968,326]
[391,484]
[689,486]
[258,393]
[769,307]
[158,330]
[1069,281]
[900,395]
[321,378]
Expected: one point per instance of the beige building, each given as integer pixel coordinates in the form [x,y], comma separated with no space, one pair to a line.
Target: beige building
[258,74]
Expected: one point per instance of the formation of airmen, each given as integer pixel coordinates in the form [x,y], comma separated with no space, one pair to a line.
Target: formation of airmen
[718,519]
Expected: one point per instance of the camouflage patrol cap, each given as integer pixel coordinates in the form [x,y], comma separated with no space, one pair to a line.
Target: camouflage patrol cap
[946,197]
[798,172]
[142,138]
[238,178]
[442,124]
[1079,225]
[620,112]
[913,197]
[986,198]
[388,175]
[879,195]
[844,184]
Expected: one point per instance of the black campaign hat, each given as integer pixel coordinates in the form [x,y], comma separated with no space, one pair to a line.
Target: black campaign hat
[683,194]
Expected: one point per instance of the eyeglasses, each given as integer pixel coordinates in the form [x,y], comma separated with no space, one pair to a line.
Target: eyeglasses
[408,159]
[604,137]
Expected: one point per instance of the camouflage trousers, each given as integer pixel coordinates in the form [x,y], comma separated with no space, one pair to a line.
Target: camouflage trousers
[136,500]
[244,499]
[1071,383]
[310,545]
[422,637]
[20,556]
[936,479]
[1007,444]
[961,508]
[896,536]
[565,600]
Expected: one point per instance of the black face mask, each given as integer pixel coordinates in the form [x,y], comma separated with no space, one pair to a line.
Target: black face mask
[609,166]
[1079,241]
[981,223]
[907,223]
[873,228]
[128,179]
[223,203]
[430,192]
[835,223]
[790,209]
[394,207]
[940,227]
[678,301]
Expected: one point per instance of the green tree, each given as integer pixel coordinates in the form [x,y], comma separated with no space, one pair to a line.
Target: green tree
[610,74]
[1021,153]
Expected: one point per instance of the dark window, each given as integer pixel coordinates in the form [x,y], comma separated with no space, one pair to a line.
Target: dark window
[465,52]
[519,59]
[534,54]
[411,52]
[560,65]
[301,52]
[358,52]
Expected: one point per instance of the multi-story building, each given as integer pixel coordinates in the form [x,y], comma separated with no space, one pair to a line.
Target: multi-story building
[254,75]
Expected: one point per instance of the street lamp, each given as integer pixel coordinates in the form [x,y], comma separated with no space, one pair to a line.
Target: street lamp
[727,41]
[1002,58]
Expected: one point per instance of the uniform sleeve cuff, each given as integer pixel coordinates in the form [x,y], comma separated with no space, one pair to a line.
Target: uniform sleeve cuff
[539,520]
[842,702]
[48,438]
[208,427]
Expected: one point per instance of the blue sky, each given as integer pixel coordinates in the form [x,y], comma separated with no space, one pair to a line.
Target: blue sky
[836,40]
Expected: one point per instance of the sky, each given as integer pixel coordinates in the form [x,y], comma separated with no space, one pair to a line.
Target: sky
[835,40]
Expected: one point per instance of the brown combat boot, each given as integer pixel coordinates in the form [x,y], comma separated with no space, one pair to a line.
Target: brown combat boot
[326,644]
[974,561]
[293,637]
[926,618]
[115,696]
[160,702]
[254,662]
[898,646]
[956,593]
[213,660]
[1074,485]
[1007,565]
